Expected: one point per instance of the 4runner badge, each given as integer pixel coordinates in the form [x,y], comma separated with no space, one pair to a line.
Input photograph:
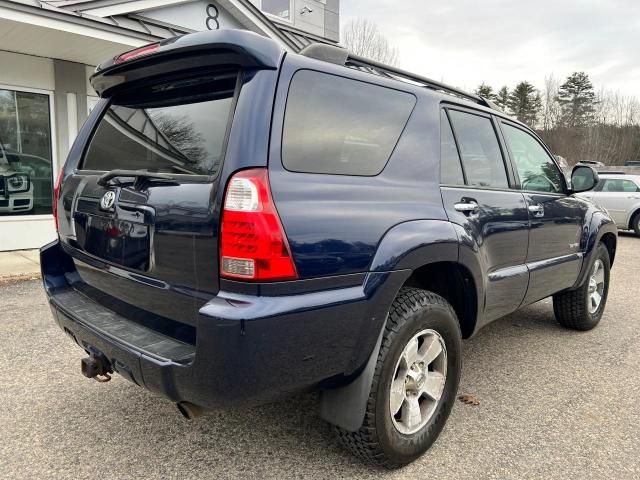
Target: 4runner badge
[107,200]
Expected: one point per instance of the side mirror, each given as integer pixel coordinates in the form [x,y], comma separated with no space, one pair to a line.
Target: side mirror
[583,178]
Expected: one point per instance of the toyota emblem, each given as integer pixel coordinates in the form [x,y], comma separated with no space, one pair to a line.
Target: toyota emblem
[107,200]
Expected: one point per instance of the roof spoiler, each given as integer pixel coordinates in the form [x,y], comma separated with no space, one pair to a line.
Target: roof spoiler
[220,49]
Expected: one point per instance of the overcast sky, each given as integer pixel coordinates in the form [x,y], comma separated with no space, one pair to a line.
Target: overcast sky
[501,42]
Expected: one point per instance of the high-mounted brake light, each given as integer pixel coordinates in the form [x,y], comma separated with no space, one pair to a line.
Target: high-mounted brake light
[253,245]
[56,196]
[138,52]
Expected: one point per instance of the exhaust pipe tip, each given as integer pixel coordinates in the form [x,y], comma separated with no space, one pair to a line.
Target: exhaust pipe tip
[189,410]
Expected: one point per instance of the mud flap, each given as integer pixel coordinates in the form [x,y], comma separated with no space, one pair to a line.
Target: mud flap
[345,406]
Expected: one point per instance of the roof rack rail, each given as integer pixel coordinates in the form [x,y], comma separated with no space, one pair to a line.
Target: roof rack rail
[611,172]
[341,56]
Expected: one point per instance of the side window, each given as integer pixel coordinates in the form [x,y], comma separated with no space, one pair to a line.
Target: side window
[481,156]
[450,168]
[336,125]
[615,185]
[535,168]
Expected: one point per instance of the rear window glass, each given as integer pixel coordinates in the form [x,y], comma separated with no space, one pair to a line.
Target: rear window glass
[175,127]
[450,168]
[480,150]
[615,185]
[341,126]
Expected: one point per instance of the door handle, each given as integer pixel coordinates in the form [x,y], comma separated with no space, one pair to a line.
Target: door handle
[466,206]
[536,210]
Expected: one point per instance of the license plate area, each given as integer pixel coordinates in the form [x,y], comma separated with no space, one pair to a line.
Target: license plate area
[122,242]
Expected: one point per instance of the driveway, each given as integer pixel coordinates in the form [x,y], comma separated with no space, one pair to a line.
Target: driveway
[553,404]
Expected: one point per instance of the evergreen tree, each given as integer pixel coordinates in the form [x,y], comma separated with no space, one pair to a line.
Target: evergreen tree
[577,100]
[485,91]
[525,103]
[502,98]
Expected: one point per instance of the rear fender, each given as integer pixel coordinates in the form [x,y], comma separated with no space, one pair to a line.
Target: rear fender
[411,245]
[404,248]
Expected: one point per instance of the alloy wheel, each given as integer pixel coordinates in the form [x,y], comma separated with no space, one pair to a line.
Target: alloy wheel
[596,286]
[418,382]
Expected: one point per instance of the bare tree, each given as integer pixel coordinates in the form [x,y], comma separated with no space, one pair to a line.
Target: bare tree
[610,132]
[550,106]
[363,37]
[180,132]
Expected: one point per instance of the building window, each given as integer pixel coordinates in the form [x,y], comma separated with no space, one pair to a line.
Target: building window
[26,170]
[277,8]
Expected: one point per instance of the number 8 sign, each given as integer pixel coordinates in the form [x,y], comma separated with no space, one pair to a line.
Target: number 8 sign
[212,17]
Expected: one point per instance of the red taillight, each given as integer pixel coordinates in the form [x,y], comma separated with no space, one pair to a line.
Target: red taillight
[253,245]
[56,196]
[138,52]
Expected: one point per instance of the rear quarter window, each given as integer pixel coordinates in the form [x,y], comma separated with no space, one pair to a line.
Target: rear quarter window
[337,125]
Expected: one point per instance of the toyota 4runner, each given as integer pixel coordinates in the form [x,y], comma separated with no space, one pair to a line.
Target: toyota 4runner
[236,224]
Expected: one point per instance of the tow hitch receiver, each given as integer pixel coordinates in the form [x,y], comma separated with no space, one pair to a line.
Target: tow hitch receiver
[96,367]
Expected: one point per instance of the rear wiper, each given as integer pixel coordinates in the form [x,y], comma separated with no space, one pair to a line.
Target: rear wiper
[137,174]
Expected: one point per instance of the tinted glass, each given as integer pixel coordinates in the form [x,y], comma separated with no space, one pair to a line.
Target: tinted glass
[480,150]
[615,185]
[342,126]
[450,168]
[182,136]
[26,173]
[535,168]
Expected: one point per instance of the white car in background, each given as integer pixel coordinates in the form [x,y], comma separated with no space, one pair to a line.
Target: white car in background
[16,187]
[619,193]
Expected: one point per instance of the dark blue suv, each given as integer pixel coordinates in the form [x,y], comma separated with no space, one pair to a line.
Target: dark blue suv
[237,224]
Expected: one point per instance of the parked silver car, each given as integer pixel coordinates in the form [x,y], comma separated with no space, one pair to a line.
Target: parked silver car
[619,193]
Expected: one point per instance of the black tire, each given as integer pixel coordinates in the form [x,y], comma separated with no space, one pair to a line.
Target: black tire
[378,441]
[635,224]
[571,307]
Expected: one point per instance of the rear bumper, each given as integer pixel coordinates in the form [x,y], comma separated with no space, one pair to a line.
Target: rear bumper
[249,349]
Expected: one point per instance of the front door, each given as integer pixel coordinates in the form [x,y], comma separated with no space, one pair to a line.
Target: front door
[477,197]
[554,255]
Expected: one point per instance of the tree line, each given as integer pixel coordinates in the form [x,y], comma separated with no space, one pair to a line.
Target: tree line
[576,121]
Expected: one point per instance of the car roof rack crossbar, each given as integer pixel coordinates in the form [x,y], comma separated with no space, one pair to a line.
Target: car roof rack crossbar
[341,56]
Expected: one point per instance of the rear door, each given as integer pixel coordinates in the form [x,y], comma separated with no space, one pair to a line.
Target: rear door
[554,255]
[619,196]
[477,196]
[145,239]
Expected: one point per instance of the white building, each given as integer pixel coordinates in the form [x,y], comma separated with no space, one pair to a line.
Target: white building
[48,50]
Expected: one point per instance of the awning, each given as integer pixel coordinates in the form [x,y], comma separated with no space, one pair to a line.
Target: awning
[52,33]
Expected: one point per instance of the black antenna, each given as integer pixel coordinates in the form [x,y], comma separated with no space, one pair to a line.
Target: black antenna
[341,56]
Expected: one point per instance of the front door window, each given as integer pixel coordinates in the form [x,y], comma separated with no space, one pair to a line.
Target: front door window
[536,170]
[26,170]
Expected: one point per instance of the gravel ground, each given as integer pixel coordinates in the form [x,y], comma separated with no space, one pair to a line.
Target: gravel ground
[553,404]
